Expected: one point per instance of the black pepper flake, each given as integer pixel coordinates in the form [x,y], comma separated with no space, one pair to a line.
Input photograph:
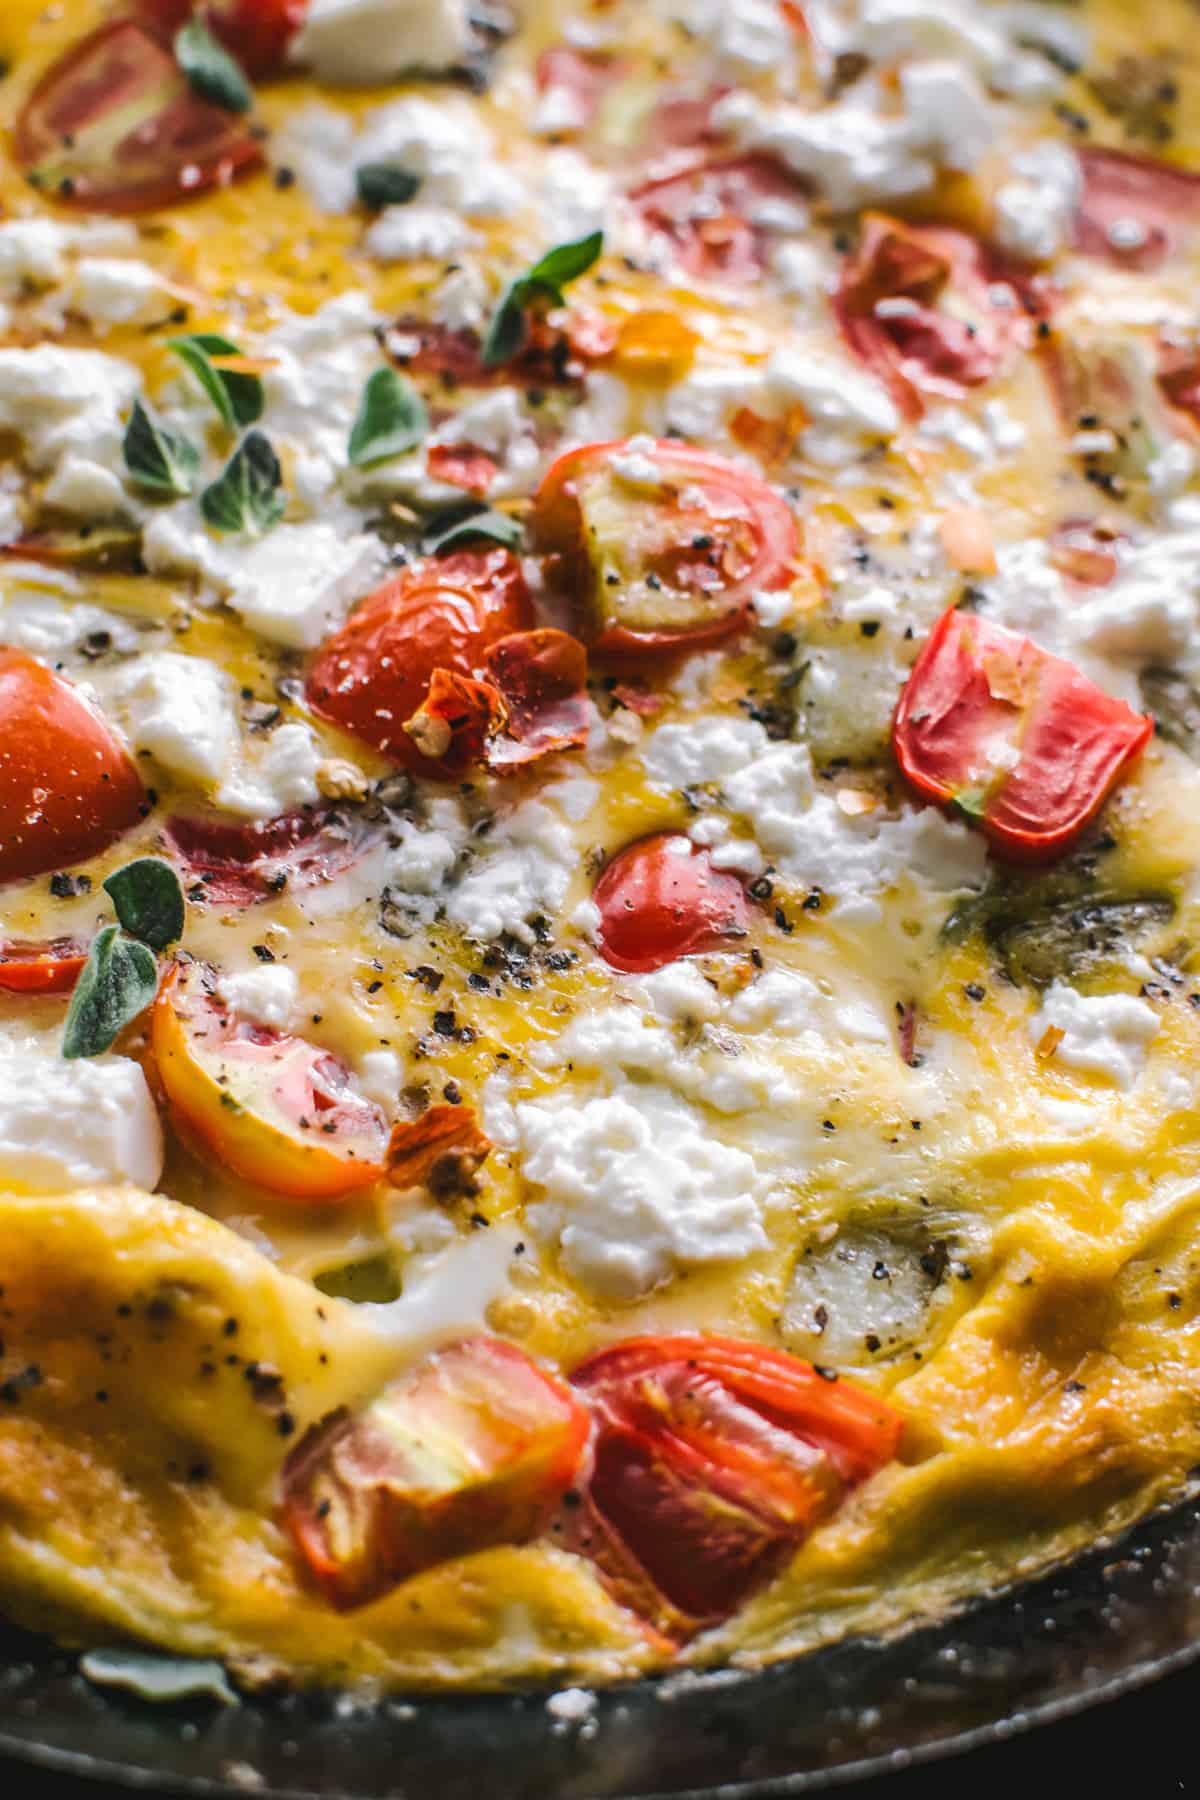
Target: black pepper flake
[263,953]
[1174,1301]
[872,1342]
[826,1374]
[285,1424]
[66,887]
[444,1023]
[452,1094]
[1074,1387]
[974,991]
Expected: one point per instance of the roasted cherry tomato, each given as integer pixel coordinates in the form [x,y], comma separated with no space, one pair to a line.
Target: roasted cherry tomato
[51,968]
[275,1109]
[115,125]
[707,213]
[1011,737]
[256,32]
[233,863]
[928,310]
[714,1458]
[1133,211]
[472,1447]
[660,547]
[660,899]
[374,675]
[67,788]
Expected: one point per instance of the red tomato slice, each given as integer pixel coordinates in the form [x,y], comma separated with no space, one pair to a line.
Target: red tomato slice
[664,563]
[51,968]
[462,466]
[256,32]
[455,356]
[1014,738]
[1134,212]
[374,675]
[892,312]
[237,864]
[542,677]
[275,1109]
[714,1458]
[115,126]
[660,899]
[67,788]
[472,1447]
[579,80]
[707,214]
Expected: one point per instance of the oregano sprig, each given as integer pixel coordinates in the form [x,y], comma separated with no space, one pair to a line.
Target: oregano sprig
[543,283]
[120,977]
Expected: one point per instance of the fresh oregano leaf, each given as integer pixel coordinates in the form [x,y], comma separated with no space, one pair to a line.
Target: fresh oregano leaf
[383,184]
[237,397]
[496,526]
[246,496]
[211,71]
[391,419]
[148,900]
[543,282]
[156,458]
[158,1678]
[119,980]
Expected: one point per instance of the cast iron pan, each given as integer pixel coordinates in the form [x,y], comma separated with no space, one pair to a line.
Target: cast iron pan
[1111,1621]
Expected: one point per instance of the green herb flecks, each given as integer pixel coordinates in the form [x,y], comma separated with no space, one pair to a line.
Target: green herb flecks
[148,900]
[211,71]
[446,534]
[119,980]
[543,284]
[391,420]
[157,459]
[237,397]
[383,184]
[246,498]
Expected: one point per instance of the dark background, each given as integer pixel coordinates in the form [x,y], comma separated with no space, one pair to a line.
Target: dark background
[1146,1747]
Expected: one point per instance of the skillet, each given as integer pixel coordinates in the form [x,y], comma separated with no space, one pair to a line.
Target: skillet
[1088,1632]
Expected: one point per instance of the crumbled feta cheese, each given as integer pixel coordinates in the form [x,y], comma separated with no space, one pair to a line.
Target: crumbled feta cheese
[61,400]
[315,144]
[296,585]
[636,1189]
[846,407]
[403,233]
[111,290]
[368,42]
[34,252]
[520,872]
[180,710]
[1035,211]
[498,424]
[1103,1034]
[85,489]
[268,994]
[45,625]
[64,1125]
[743,37]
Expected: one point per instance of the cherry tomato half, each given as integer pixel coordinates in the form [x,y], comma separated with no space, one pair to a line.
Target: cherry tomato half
[48,968]
[234,863]
[661,898]
[893,312]
[660,547]
[1011,736]
[472,1447]
[1134,211]
[67,788]
[275,1109]
[707,213]
[714,1458]
[374,675]
[115,126]
[256,32]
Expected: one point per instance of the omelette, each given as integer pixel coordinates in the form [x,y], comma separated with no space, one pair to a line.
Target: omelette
[599,821]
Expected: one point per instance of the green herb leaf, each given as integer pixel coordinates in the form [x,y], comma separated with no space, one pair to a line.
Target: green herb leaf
[543,282]
[238,398]
[119,980]
[444,532]
[391,419]
[158,1678]
[148,901]
[971,802]
[156,458]
[210,69]
[383,184]
[245,497]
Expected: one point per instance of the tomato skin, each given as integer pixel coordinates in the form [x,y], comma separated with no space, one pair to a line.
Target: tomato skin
[472,1447]
[49,968]
[975,683]
[1119,187]
[256,32]
[927,349]
[706,210]
[235,863]
[661,899]
[717,533]
[271,1107]
[713,1459]
[173,145]
[374,674]
[67,788]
